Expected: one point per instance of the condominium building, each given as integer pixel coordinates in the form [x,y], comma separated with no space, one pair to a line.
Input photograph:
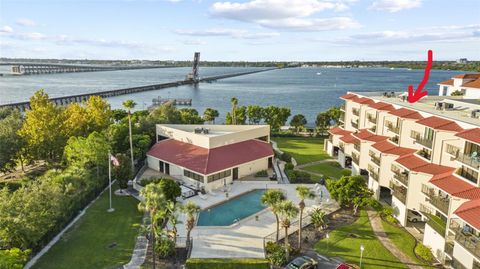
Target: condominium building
[210,156]
[466,85]
[422,157]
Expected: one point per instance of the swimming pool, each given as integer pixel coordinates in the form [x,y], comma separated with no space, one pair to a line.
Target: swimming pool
[231,211]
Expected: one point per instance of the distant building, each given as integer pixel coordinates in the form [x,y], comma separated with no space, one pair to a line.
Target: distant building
[468,85]
[462,61]
[210,156]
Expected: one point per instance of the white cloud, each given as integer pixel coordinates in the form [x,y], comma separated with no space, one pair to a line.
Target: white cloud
[194,42]
[395,5]
[290,15]
[6,29]
[234,33]
[26,22]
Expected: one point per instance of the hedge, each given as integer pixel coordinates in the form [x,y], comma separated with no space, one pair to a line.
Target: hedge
[197,263]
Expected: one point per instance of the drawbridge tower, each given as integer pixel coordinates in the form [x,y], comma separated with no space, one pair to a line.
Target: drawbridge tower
[194,74]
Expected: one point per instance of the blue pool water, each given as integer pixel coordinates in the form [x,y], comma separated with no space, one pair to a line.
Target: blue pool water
[228,212]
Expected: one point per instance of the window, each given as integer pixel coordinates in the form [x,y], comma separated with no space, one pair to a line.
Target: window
[218,176]
[428,134]
[470,148]
[193,175]
[469,174]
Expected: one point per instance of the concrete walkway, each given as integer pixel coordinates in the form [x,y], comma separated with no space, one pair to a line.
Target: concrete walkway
[377,227]
[141,244]
[301,166]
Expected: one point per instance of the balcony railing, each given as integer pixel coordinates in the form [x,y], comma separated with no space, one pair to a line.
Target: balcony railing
[401,176]
[354,124]
[392,128]
[469,241]
[452,150]
[373,129]
[437,224]
[342,147]
[469,159]
[355,158]
[399,192]
[425,154]
[394,139]
[356,146]
[355,111]
[375,159]
[371,118]
[439,202]
[342,107]
[373,173]
[449,248]
[426,142]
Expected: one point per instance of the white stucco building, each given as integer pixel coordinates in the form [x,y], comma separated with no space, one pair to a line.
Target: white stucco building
[210,156]
[467,84]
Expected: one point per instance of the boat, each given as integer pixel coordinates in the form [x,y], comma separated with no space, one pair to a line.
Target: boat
[319,73]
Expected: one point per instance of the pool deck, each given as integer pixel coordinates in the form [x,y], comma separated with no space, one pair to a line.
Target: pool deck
[245,238]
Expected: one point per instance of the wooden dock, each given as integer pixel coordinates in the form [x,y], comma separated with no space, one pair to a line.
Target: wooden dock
[64,100]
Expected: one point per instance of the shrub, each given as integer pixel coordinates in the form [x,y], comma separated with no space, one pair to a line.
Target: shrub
[262,173]
[275,253]
[13,258]
[171,189]
[424,252]
[164,247]
[346,172]
[286,157]
[289,166]
[296,176]
[199,263]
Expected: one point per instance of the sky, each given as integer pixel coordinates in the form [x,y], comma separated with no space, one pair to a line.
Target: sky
[250,30]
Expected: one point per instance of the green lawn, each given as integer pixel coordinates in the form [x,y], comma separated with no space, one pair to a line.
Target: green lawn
[303,149]
[328,169]
[343,244]
[402,239]
[99,239]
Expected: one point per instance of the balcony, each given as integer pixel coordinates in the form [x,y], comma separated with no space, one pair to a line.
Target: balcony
[469,241]
[401,176]
[373,129]
[426,142]
[399,192]
[441,203]
[452,150]
[425,154]
[354,124]
[394,139]
[449,248]
[342,147]
[355,158]
[439,225]
[392,128]
[356,146]
[355,111]
[372,119]
[375,159]
[373,173]
[342,107]
[472,160]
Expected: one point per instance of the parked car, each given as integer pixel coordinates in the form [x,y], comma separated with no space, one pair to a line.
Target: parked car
[414,216]
[302,262]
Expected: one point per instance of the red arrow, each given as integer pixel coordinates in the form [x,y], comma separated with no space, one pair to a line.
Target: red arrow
[419,93]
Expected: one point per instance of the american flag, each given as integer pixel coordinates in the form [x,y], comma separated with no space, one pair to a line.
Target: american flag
[114,161]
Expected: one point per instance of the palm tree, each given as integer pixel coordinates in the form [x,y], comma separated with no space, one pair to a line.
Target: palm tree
[190,209]
[154,203]
[234,102]
[318,218]
[129,105]
[210,114]
[272,199]
[172,209]
[303,192]
[287,211]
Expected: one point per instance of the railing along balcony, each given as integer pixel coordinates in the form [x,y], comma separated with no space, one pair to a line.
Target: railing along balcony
[469,241]
[401,176]
[342,147]
[355,111]
[439,202]
[373,128]
[399,192]
[426,142]
[439,225]
[356,146]
[354,124]
[452,150]
[392,128]
[425,154]
[394,139]
[472,160]
[342,107]
[375,159]
[372,119]
[449,248]
[373,172]
[355,158]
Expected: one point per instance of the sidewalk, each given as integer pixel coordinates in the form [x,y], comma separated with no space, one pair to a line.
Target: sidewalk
[377,227]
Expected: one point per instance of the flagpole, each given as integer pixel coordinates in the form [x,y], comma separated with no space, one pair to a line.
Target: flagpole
[110,180]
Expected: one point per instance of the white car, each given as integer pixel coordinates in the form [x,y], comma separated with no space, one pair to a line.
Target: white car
[414,216]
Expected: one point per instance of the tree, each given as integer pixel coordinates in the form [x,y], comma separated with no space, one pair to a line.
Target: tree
[170,189]
[10,142]
[123,172]
[129,105]
[241,115]
[76,120]
[141,145]
[298,121]
[190,116]
[154,203]
[99,113]
[44,129]
[119,114]
[172,210]
[190,209]
[210,114]
[272,199]
[334,114]
[287,211]
[350,191]
[303,192]
[13,258]
[318,218]
[322,122]
[234,102]
[276,116]
[255,114]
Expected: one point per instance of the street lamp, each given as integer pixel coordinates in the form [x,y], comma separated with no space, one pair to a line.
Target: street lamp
[362,248]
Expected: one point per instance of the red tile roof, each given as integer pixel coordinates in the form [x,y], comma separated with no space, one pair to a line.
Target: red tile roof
[399,151]
[406,114]
[349,139]
[388,148]
[362,100]
[473,84]
[455,186]
[382,106]
[440,124]
[472,135]
[383,146]
[470,212]
[467,76]
[365,134]
[411,161]
[207,161]
[338,131]
[417,164]
[447,82]
[348,96]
